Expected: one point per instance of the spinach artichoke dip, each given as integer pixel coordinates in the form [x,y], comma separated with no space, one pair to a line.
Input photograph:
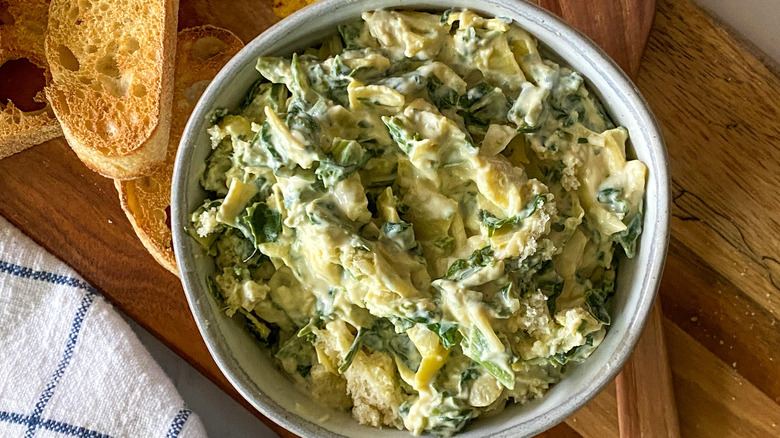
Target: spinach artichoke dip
[420,217]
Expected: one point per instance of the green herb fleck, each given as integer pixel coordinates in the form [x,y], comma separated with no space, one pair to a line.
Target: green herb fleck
[264,224]
[492,223]
[462,268]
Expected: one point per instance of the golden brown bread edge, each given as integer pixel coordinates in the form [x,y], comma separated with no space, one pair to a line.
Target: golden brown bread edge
[112,80]
[201,52]
[284,8]
[22,32]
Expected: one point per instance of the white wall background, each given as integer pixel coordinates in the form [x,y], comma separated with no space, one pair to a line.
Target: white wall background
[758,21]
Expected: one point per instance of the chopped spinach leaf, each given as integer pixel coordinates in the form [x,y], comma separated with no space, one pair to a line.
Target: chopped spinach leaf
[446,244]
[627,238]
[554,289]
[463,268]
[217,115]
[402,233]
[218,162]
[450,422]
[382,337]
[612,197]
[492,223]
[264,224]
[447,332]
[255,325]
[351,33]
[344,159]
[482,105]
[332,86]
[573,354]
[504,304]
[276,153]
[441,95]
[307,331]
[250,95]
[262,94]
[479,351]
[356,345]
[597,301]
[299,120]
[401,134]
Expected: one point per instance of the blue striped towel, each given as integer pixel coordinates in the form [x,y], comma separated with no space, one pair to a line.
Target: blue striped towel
[69,364]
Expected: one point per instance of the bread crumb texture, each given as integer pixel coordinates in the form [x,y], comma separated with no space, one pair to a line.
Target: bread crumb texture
[375,389]
[200,54]
[26,118]
[329,389]
[111,64]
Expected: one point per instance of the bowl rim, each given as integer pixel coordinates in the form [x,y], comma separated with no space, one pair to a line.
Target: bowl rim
[594,55]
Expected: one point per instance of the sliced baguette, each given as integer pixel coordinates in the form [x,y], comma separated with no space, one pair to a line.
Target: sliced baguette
[284,8]
[112,80]
[22,31]
[200,54]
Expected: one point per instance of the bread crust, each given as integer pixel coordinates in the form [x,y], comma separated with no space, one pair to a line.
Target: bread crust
[285,8]
[112,81]
[22,38]
[201,53]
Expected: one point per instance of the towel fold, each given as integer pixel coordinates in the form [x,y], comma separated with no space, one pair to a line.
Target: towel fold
[69,364]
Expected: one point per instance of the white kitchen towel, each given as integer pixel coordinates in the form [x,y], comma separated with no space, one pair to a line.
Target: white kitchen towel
[69,364]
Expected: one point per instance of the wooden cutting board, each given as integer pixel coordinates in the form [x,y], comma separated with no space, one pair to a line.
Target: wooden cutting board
[718,107]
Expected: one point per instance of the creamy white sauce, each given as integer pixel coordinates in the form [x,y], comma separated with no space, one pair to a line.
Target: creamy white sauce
[428,198]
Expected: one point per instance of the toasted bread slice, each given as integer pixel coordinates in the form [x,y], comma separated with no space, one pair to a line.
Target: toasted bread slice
[26,118]
[112,80]
[200,54]
[284,8]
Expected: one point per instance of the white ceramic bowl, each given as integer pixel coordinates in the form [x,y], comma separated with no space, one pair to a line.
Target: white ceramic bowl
[249,367]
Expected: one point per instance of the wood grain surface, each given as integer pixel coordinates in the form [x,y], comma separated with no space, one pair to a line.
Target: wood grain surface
[645,395]
[620,27]
[718,107]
